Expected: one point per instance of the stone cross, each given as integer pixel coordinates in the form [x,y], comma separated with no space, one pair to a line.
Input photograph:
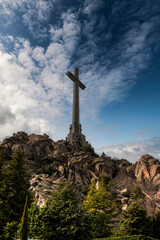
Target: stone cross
[75,129]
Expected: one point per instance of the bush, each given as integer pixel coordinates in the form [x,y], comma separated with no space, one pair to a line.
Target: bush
[133,237]
[137,193]
[88,149]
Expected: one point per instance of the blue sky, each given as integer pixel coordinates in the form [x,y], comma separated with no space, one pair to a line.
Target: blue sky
[115,44]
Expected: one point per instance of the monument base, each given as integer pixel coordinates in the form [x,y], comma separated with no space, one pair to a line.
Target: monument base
[76,137]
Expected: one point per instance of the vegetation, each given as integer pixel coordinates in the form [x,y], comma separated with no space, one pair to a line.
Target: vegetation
[156,226]
[14,185]
[133,237]
[103,155]
[62,218]
[24,224]
[88,149]
[102,208]
[137,193]
[135,221]
[33,214]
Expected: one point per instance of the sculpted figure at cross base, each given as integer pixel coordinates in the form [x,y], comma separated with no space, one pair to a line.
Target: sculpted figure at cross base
[75,135]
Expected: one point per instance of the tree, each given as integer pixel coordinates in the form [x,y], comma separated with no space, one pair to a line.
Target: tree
[14,185]
[99,203]
[62,218]
[156,226]
[33,219]
[135,221]
[17,187]
[88,149]
[9,230]
[103,155]
[3,217]
[24,224]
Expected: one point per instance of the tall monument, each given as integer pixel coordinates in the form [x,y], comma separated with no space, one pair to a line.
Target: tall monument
[75,135]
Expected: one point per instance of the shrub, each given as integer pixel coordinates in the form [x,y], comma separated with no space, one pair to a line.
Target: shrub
[135,221]
[133,237]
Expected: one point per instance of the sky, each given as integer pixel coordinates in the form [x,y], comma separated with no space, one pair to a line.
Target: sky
[116,46]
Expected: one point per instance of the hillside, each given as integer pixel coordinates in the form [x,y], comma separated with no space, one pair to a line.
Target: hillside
[52,162]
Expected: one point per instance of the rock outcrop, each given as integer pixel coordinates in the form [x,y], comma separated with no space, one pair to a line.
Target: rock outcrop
[51,163]
[148,169]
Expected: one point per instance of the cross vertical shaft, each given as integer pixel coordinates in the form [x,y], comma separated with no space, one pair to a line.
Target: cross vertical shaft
[75,113]
[75,135]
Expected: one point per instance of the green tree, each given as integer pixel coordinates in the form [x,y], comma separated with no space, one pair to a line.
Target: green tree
[156,226]
[14,185]
[10,230]
[62,218]
[24,223]
[17,187]
[3,217]
[88,149]
[103,155]
[34,220]
[135,221]
[99,203]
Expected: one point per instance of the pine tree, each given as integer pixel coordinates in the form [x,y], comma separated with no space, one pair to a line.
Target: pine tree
[156,226]
[17,187]
[34,223]
[62,218]
[24,223]
[99,203]
[3,217]
[135,221]
[14,185]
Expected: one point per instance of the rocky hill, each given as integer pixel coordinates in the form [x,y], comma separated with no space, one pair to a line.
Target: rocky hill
[52,162]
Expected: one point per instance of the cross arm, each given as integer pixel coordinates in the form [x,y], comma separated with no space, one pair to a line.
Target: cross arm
[74,79]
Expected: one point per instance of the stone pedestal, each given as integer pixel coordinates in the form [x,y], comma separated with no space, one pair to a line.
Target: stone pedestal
[76,137]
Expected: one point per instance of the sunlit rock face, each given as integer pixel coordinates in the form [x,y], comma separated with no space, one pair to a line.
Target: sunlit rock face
[148,168]
[51,163]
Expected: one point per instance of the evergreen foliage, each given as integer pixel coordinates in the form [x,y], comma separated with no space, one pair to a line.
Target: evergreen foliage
[3,217]
[137,193]
[16,188]
[62,218]
[24,223]
[10,230]
[156,226]
[133,237]
[33,219]
[88,149]
[103,155]
[99,203]
[14,185]
[135,221]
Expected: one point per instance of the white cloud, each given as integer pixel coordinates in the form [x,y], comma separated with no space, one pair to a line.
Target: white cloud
[66,37]
[90,6]
[33,13]
[21,99]
[5,114]
[34,87]
[132,151]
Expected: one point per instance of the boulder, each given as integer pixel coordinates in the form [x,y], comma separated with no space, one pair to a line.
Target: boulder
[125,192]
[148,168]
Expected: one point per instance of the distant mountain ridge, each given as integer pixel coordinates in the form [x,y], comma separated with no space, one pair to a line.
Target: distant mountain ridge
[52,162]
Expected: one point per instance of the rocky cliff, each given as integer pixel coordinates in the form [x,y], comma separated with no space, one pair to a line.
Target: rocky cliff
[52,162]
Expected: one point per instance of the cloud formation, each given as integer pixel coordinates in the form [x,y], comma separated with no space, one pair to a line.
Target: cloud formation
[32,79]
[132,151]
[36,94]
